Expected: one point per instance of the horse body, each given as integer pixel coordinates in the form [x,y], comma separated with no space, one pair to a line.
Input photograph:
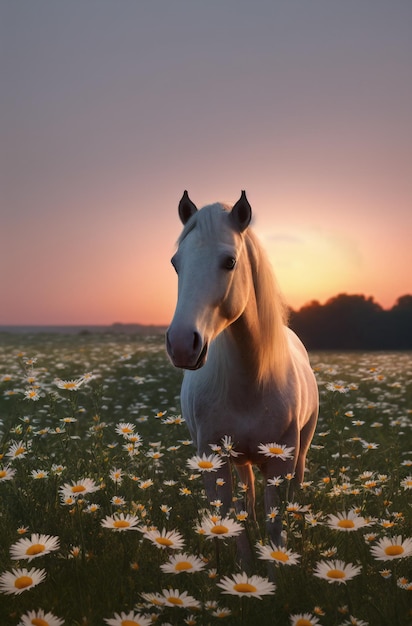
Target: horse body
[247,376]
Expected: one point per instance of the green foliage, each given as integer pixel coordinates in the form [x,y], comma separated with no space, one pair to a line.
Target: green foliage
[360,460]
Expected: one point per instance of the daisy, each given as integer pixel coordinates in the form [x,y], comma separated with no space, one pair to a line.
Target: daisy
[220,528]
[346,521]
[7,473]
[37,545]
[205,463]
[131,619]
[276,450]
[390,548]
[406,483]
[118,501]
[120,522]
[173,597]
[39,474]
[336,571]
[17,450]
[303,619]
[165,539]
[19,580]
[183,563]
[116,475]
[124,428]
[70,385]
[278,554]
[79,488]
[41,618]
[249,586]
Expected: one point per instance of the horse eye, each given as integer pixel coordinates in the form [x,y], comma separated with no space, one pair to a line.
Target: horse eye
[229,263]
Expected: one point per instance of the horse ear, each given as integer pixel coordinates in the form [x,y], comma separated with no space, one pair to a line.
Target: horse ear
[186,208]
[241,213]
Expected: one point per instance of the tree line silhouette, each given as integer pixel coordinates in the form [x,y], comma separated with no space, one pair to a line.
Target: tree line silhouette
[354,322]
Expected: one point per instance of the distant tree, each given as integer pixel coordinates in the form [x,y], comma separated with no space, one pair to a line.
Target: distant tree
[354,322]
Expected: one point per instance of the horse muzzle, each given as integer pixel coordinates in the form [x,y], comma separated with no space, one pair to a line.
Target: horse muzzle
[186,350]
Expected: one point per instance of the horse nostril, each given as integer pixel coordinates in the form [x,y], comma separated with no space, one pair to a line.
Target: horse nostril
[197,342]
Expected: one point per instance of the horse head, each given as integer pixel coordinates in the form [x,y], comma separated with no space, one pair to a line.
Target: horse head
[213,280]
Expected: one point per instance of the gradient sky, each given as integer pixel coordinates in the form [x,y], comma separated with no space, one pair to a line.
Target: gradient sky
[110,109]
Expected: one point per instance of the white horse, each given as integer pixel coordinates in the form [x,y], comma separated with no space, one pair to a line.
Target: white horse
[247,375]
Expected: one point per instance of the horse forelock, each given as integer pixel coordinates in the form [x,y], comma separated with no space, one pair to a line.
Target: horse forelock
[206,221]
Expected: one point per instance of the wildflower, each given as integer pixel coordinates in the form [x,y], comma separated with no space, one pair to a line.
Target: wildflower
[145,484]
[118,501]
[385,573]
[278,554]
[220,528]
[369,446]
[17,450]
[154,598]
[131,619]
[32,394]
[39,474]
[336,571]
[92,508]
[37,545]
[221,612]
[124,428]
[116,475]
[166,510]
[354,621]
[79,488]
[205,463]
[346,521]
[184,491]
[406,483]
[182,563]
[7,473]
[273,513]
[70,385]
[165,539]
[120,522]
[339,387]
[250,586]
[242,516]
[390,548]
[276,450]
[404,583]
[173,597]
[173,419]
[275,481]
[19,580]
[22,530]
[41,618]
[303,619]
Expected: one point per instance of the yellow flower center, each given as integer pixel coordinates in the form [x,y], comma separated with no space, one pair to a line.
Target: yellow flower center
[276,450]
[245,588]
[121,523]
[36,548]
[3,473]
[279,556]
[37,621]
[346,523]
[303,622]
[219,529]
[335,573]
[394,550]
[205,464]
[164,541]
[20,450]
[183,566]
[78,488]
[22,582]
[129,622]
[175,600]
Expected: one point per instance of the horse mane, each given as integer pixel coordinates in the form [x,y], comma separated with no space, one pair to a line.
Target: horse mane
[272,311]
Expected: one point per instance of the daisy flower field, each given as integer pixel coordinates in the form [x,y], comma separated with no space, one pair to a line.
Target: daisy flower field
[104,518]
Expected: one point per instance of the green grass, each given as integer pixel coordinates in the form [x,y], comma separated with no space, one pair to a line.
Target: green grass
[98,572]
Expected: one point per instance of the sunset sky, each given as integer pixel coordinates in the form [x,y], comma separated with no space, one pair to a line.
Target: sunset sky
[111,108]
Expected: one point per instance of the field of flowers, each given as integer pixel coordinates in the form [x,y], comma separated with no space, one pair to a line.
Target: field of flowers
[103,518]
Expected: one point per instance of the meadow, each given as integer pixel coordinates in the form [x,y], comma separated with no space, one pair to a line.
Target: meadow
[103,518]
